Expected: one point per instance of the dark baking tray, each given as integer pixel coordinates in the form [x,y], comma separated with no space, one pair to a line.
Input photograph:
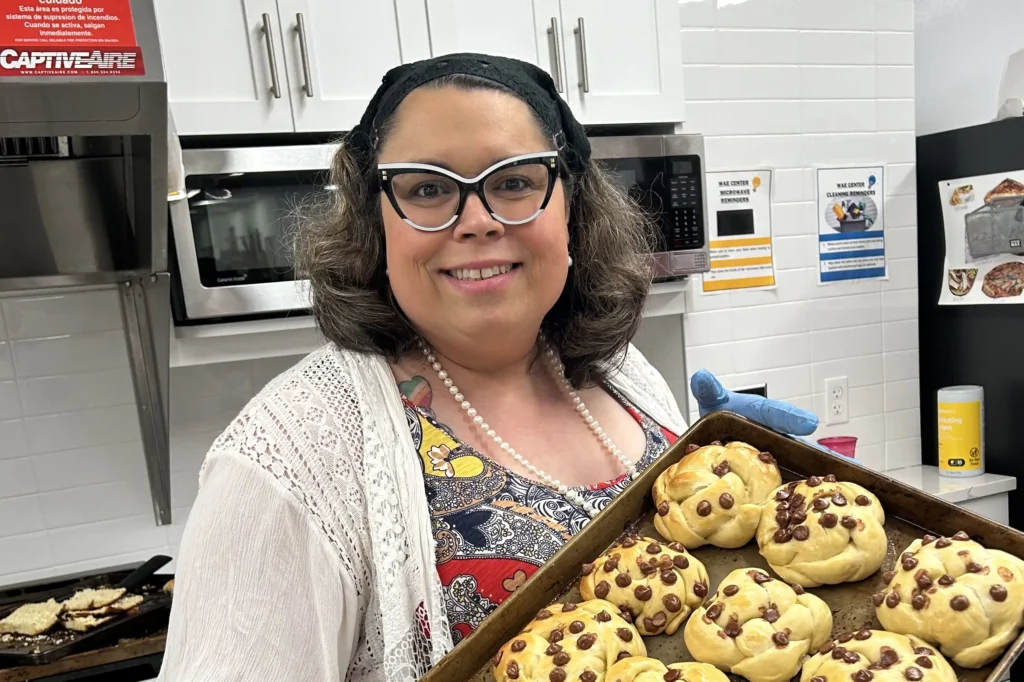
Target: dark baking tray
[909,514]
[150,616]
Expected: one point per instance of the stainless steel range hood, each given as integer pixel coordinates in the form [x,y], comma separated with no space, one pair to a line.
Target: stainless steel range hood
[83,185]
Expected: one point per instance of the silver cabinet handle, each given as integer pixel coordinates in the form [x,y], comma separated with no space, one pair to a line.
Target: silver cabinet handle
[581,34]
[268,36]
[307,76]
[557,48]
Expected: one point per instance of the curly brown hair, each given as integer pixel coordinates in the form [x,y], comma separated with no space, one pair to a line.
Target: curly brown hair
[340,249]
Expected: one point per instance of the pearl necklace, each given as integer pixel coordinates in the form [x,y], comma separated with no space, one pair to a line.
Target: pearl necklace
[558,370]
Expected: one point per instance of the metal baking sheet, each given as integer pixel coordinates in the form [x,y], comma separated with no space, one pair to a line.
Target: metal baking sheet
[909,514]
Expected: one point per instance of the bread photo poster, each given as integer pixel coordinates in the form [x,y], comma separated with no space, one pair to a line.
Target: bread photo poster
[983,218]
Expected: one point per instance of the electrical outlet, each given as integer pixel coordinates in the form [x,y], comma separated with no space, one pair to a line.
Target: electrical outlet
[837,400]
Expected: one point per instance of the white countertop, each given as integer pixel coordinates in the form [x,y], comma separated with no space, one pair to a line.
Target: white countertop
[953,490]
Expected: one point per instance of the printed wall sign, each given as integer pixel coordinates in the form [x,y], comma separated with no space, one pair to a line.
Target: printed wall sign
[740,231]
[851,224]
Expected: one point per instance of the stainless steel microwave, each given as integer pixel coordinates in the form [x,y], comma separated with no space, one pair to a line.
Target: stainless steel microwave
[230,234]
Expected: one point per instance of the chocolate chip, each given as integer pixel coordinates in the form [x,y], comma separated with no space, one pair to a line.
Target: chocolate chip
[715,610]
[588,569]
[561,658]
[782,506]
[588,676]
[659,620]
[766,457]
[643,592]
[497,658]
[692,447]
[845,637]
[783,495]
[557,675]
[801,533]
[556,636]
[782,535]
[512,670]
[625,613]
[672,603]
[927,540]
[703,508]
[839,500]
[923,580]
[828,520]
[602,589]
[862,635]
[653,548]
[913,674]
[838,653]
[826,647]
[877,598]
[919,602]
[876,666]
[863,676]
[623,580]
[924,661]
[799,589]
[663,509]
[730,590]
[553,649]
[943,542]
[892,599]
[798,517]
[813,481]
[998,592]
[647,568]
[888,576]
[851,657]
[771,615]
[946,580]
[665,563]
[586,641]
[760,578]
[889,656]
[961,535]
[603,617]
[700,589]
[780,638]
[721,469]
[716,443]
[820,504]
[725,501]
[906,555]
[782,518]
[629,540]
[568,606]
[672,675]
[576,627]
[625,634]
[909,564]
[862,500]
[676,547]
[849,522]
[974,567]
[732,628]
[669,577]
[959,603]
[542,614]
[610,565]
[923,651]
[622,655]
[518,645]
[819,678]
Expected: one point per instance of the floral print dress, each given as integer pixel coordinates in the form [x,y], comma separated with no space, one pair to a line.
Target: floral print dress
[494,528]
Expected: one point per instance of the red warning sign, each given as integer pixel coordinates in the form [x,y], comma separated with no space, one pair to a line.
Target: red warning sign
[68,38]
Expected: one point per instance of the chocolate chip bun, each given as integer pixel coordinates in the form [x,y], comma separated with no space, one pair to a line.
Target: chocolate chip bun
[714,494]
[639,669]
[758,627]
[957,595]
[822,532]
[569,642]
[877,656]
[655,585]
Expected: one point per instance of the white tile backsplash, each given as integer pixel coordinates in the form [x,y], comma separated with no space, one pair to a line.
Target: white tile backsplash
[71,392]
[6,361]
[36,317]
[70,354]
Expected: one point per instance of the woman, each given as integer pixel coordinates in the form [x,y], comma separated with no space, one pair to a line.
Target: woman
[479,280]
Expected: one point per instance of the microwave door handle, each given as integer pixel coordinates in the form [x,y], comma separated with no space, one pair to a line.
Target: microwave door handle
[268,36]
[557,50]
[307,76]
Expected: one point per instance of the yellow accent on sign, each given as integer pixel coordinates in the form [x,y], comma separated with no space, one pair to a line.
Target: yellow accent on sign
[746,283]
[740,262]
[960,436]
[732,243]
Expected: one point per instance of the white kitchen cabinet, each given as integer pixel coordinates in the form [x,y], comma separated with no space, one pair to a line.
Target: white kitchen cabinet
[221,66]
[623,60]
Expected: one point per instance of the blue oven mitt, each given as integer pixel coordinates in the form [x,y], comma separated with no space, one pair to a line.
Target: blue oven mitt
[778,416]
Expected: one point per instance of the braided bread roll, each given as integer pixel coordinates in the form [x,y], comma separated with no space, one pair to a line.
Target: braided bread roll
[714,494]
[655,586]
[638,669]
[877,656]
[569,642]
[822,532]
[956,594]
[758,627]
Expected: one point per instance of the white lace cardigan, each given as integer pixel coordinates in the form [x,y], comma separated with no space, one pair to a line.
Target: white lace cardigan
[308,554]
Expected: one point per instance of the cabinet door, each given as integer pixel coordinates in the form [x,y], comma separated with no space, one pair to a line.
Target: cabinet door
[337,52]
[220,67]
[624,60]
[523,29]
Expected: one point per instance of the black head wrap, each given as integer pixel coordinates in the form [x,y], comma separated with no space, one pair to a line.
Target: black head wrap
[531,83]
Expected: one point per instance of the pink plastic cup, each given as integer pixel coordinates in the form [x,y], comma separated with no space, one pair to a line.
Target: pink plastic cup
[843,445]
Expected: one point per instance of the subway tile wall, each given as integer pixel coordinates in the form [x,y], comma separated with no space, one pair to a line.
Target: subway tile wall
[74,494]
[792,85]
